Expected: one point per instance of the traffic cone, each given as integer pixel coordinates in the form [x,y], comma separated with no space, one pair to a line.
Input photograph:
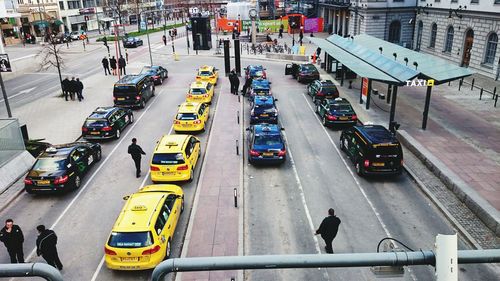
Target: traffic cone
[314,58]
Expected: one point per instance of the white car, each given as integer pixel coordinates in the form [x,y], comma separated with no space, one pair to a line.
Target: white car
[75,35]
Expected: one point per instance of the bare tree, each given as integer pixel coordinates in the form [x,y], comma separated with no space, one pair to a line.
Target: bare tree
[51,56]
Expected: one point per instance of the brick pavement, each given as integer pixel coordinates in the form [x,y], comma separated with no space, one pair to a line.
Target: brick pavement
[214,228]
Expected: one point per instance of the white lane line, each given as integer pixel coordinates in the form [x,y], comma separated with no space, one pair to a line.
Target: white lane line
[304,203]
[28,56]
[354,177]
[101,263]
[83,188]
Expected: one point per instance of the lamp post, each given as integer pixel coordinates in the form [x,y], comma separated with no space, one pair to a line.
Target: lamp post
[149,44]
[97,17]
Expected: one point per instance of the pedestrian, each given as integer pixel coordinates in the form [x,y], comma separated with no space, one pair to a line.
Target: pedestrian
[248,31]
[105,40]
[121,65]
[23,38]
[112,63]
[301,35]
[135,151]
[280,34]
[105,65]
[328,229]
[318,51]
[73,88]
[257,30]
[83,41]
[247,85]
[126,55]
[164,38]
[231,81]
[65,87]
[46,246]
[236,83]
[12,236]
[79,89]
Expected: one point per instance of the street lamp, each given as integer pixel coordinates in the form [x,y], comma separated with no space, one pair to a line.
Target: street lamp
[149,44]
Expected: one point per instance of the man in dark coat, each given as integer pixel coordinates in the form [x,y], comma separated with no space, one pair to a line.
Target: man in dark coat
[73,88]
[328,230]
[79,89]
[164,38]
[301,36]
[112,63]
[105,65]
[12,236]
[46,246]
[136,151]
[231,81]
[121,65]
[247,85]
[236,82]
[65,86]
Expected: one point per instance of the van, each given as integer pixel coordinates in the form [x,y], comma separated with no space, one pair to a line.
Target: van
[373,149]
[133,91]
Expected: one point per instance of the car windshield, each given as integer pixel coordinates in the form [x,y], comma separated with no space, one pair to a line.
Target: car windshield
[95,123]
[340,107]
[131,39]
[308,68]
[50,164]
[130,239]
[205,73]
[198,91]
[167,159]
[329,90]
[267,140]
[186,116]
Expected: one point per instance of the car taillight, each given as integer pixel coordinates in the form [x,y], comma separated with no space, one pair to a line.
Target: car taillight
[109,252]
[154,168]
[354,117]
[84,129]
[366,163]
[137,97]
[156,77]
[205,96]
[177,122]
[198,77]
[151,251]
[197,122]
[320,93]
[189,96]
[60,180]
[182,168]
[107,129]
[254,153]
[282,152]
[28,181]
[331,117]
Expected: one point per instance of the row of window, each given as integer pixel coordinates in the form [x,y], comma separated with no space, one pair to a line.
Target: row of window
[76,4]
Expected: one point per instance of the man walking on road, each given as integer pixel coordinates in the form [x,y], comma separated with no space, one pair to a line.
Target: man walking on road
[112,62]
[328,230]
[136,151]
[79,89]
[12,236]
[46,246]
[121,65]
[164,38]
[105,65]
[231,81]
[235,82]
[65,87]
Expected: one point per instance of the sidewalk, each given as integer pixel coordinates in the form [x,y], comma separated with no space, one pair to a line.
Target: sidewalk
[214,226]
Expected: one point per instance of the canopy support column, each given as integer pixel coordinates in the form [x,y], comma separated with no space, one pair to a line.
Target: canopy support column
[426,107]
[393,108]
[369,94]
[361,92]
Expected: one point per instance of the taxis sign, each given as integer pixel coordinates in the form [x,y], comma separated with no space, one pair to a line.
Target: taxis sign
[420,83]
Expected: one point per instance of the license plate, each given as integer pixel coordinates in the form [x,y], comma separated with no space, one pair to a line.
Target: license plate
[378,164]
[344,118]
[43,182]
[186,125]
[94,133]
[167,173]
[264,115]
[130,259]
[267,154]
[120,98]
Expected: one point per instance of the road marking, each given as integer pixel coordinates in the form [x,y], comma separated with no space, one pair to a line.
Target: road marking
[101,263]
[303,199]
[28,56]
[83,188]
[20,93]
[372,206]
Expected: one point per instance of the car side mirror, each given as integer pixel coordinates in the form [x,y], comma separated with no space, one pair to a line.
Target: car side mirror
[247,129]
[275,99]
[179,196]
[126,197]
[282,128]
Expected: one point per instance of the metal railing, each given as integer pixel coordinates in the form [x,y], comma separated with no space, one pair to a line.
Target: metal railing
[493,93]
[30,270]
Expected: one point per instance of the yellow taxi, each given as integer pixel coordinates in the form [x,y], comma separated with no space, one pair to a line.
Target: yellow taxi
[200,91]
[142,235]
[175,158]
[208,73]
[191,116]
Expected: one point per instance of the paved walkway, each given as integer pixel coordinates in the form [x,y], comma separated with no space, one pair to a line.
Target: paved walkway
[214,223]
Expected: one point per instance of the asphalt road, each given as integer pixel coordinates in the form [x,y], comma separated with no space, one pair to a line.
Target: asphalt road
[283,204]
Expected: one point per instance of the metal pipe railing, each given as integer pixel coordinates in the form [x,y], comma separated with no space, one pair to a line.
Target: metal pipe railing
[30,270]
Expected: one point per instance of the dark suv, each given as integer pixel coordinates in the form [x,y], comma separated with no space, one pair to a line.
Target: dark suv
[266,144]
[106,123]
[372,149]
[322,89]
[336,112]
[133,91]
[306,72]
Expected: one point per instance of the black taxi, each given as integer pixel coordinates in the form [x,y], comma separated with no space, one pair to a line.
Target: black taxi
[106,123]
[61,167]
[373,149]
[133,91]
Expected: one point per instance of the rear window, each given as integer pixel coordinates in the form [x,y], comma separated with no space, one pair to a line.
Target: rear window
[130,239]
[125,89]
[198,91]
[50,164]
[95,123]
[267,140]
[205,73]
[167,159]
[308,68]
[340,107]
[329,90]
[386,150]
[186,116]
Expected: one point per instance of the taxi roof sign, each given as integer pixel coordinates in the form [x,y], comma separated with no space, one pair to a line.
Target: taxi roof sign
[139,208]
[171,143]
[51,149]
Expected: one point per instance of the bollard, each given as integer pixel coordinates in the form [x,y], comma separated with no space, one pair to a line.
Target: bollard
[237,148]
[494,93]
[235,198]
[481,94]
[496,99]
[472,84]
[460,83]
[350,84]
[449,83]
[239,97]
[238,116]
[248,50]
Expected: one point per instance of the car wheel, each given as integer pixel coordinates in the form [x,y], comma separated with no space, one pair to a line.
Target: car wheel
[131,119]
[314,99]
[182,206]
[77,182]
[98,155]
[323,121]
[359,169]
[117,134]
[341,145]
[29,191]
[168,250]
[143,104]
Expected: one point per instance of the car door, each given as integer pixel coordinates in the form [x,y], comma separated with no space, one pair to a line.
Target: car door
[161,231]
[120,119]
[172,203]
[250,135]
[289,69]
[80,158]
[322,108]
[195,150]
[202,113]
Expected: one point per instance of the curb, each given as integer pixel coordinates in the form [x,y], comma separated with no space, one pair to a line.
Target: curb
[479,206]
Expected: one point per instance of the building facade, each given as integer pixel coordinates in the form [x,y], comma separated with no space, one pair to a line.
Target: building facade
[9,22]
[465,32]
[39,17]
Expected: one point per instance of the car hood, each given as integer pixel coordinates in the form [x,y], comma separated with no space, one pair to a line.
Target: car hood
[40,173]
